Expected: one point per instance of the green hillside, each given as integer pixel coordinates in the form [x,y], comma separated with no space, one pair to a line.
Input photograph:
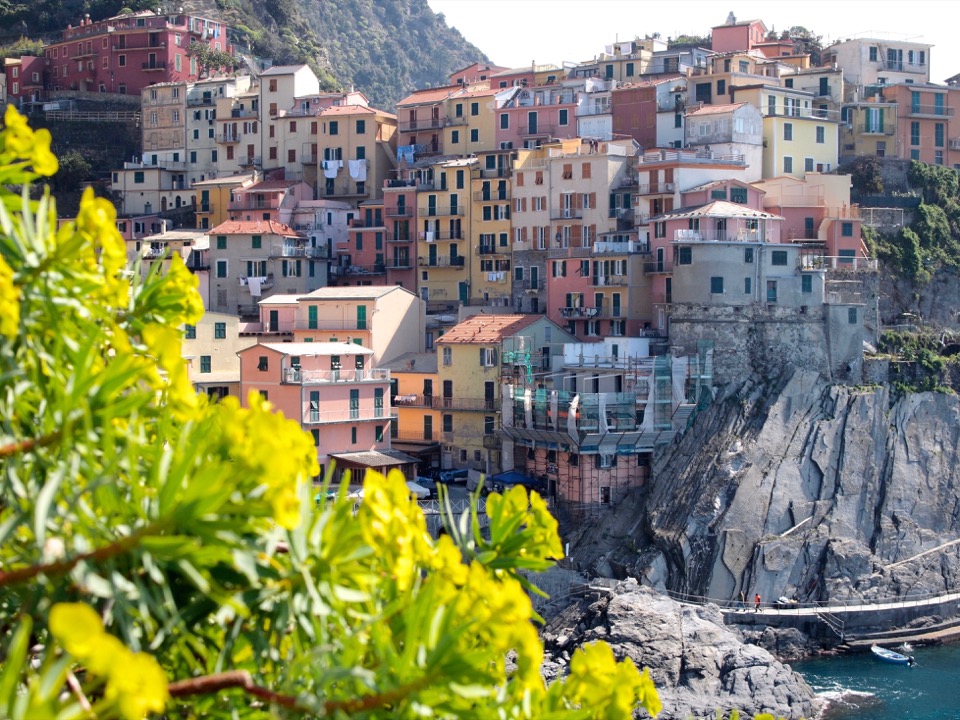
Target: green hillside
[385,48]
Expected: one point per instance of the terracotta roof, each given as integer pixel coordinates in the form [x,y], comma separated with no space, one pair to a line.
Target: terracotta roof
[254,227]
[486,329]
[431,95]
[651,82]
[714,109]
[482,93]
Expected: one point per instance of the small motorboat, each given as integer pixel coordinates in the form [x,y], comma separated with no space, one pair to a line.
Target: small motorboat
[891,656]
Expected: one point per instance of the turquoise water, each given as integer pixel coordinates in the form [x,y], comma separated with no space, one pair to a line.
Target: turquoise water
[864,688]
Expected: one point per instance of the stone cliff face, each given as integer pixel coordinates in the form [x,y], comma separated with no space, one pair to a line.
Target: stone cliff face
[698,665]
[807,490]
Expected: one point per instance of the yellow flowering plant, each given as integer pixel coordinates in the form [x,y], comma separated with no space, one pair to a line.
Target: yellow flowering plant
[161,555]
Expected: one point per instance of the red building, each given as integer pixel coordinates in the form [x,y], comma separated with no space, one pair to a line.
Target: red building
[24,79]
[126,53]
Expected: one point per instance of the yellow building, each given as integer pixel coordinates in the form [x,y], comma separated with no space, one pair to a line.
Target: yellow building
[213,198]
[210,349]
[469,122]
[491,231]
[798,137]
[869,128]
[469,375]
[444,252]
[416,428]
[356,150]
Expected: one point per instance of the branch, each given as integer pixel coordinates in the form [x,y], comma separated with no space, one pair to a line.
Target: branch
[241,679]
[24,446]
[61,567]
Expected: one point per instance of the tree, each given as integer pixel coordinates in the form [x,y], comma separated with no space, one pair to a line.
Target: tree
[74,169]
[209,60]
[805,42]
[163,554]
[866,177]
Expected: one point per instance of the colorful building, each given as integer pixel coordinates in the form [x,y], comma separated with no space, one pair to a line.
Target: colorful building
[211,350]
[356,149]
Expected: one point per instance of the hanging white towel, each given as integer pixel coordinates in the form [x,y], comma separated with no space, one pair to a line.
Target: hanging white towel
[358,170]
[429,234]
[331,168]
[254,283]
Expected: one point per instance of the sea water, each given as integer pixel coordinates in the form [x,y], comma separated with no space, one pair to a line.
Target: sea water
[862,687]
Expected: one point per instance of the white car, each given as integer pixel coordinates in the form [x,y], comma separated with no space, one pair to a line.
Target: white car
[420,491]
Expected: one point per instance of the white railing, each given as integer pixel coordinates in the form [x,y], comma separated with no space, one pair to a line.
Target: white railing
[315,377]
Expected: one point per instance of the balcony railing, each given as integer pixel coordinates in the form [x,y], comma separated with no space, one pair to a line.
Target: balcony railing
[655,188]
[440,210]
[315,417]
[491,196]
[623,247]
[227,138]
[669,104]
[413,400]
[266,281]
[492,250]
[159,65]
[299,376]
[876,129]
[579,312]
[538,129]
[470,404]
[812,261]
[400,211]
[248,204]
[657,267]
[931,110]
[492,442]
[690,156]
[247,160]
[206,207]
[401,238]
[534,285]
[900,66]
[432,236]
[456,261]
[399,264]
[566,214]
[743,235]
[350,270]
[285,251]
[432,123]
[609,280]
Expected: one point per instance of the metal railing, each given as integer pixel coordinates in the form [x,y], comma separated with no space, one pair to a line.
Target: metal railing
[440,210]
[933,110]
[876,128]
[457,261]
[304,251]
[300,376]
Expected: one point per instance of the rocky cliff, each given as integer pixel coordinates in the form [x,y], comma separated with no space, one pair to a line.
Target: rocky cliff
[698,664]
[798,488]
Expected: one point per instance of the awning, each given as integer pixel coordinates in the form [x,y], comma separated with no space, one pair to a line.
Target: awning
[373,459]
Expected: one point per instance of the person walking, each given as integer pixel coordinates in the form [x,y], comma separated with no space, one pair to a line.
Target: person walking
[756,601]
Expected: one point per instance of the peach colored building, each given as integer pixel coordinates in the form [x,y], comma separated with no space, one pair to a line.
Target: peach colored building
[330,388]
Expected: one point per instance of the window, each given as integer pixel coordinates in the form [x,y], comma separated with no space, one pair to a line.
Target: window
[778,257]
[138,176]
[205,364]
[448,356]
[190,332]
[788,164]
[716,285]
[222,268]
[852,316]
[474,108]
[914,133]
[354,404]
[361,127]
[256,241]
[738,195]
[263,363]
[873,54]
[808,164]
[504,121]
[474,135]
[748,255]
[806,283]
[455,137]
[563,116]
[353,435]
[361,317]
[788,131]
[821,134]
[488,357]
[747,286]
[447,423]
[220,331]
[721,87]
[685,256]
[846,229]
[121,61]
[938,135]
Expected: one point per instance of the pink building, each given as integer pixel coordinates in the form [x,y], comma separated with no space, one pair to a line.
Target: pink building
[569,300]
[361,259]
[735,36]
[534,115]
[24,79]
[331,389]
[126,53]
[268,200]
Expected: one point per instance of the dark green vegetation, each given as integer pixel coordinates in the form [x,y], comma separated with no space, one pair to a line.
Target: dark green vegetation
[931,241]
[385,48]
[925,360]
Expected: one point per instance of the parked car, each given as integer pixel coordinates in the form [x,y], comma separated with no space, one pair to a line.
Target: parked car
[424,488]
[448,477]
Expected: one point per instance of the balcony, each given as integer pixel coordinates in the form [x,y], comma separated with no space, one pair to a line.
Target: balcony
[412,400]
[533,286]
[934,111]
[603,247]
[500,172]
[291,251]
[574,313]
[690,156]
[954,143]
[609,280]
[469,404]
[492,442]
[353,270]
[669,104]
[399,264]
[492,250]
[431,236]
[158,65]
[440,211]
[739,235]
[658,267]
[566,214]
[206,207]
[401,238]
[243,113]
[537,130]
[400,211]
[455,261]
[876,129]
[657,188]
[900,66]
[308,159]
[299,376]
[266,281]
[491,196]
[227,138]
[248,160]
[259,203]
[433,123]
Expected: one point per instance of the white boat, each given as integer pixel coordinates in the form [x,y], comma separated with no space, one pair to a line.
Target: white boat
[891,656]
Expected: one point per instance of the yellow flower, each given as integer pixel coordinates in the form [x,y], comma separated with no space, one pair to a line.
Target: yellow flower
[97,222]
[22,143]
[138,685]
[181,292]
[107,652]
[77,628]
[9,302]
[44,162]
[609,688]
